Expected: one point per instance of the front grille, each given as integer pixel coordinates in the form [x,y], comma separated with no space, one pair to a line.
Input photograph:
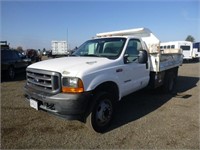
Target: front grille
[45,81]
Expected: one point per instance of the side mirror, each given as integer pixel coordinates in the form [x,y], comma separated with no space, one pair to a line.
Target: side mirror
[142,57]
[126,59]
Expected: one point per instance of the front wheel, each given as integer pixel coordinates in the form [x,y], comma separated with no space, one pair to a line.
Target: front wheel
[11,73]
[102,114]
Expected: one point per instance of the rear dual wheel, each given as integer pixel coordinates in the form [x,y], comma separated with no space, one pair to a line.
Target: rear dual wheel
[170,81]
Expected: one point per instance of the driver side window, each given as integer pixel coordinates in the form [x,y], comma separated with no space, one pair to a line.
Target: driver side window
[132,50]
[92,48]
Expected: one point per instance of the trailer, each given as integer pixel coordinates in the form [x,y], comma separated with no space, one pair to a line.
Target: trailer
[59,48]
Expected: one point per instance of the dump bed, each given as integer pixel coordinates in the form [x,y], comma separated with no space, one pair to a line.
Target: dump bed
[163,60]
[159,60]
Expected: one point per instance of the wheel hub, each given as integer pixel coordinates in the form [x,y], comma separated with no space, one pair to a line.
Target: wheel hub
[104,112]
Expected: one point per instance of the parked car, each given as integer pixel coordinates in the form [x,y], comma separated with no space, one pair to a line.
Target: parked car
[46,53]
[34,55]
[12,62]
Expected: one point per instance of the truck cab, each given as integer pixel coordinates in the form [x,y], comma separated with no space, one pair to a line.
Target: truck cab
[123,65]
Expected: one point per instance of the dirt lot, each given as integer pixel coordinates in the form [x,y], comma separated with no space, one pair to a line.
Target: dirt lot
[144,120]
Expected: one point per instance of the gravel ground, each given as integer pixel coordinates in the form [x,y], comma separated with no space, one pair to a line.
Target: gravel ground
[144,120]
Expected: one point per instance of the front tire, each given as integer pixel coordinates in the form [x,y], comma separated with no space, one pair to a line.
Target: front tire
[102,114]
[11,73]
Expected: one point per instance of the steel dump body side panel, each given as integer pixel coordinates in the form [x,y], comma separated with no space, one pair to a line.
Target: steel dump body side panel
[161,62]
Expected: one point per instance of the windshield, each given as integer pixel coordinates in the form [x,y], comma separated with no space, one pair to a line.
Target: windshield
[187,48]
[105,47]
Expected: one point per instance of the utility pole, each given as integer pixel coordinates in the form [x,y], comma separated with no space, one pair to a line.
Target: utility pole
[67,40]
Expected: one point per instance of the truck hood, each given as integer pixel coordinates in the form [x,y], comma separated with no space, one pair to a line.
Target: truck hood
[71,66]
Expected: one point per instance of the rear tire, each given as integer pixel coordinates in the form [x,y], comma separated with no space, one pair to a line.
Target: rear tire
[169,81]
[102,114]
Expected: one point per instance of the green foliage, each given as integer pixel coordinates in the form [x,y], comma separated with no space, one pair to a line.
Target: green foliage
[190,38]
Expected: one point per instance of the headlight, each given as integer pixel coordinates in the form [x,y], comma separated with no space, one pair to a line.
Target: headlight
[72,85]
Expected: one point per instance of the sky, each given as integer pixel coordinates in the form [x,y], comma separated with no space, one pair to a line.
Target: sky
[34,24]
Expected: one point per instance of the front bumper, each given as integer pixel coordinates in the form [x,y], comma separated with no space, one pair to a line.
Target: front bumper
[69,106]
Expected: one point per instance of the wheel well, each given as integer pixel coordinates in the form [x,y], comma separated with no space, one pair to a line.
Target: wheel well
[109,87]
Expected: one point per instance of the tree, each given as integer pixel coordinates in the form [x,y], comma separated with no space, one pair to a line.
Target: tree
[190,38]
[20,49]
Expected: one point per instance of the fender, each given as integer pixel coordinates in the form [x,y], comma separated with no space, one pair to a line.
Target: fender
[93,81]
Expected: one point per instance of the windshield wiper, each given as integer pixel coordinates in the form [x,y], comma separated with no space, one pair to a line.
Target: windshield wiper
[90,55]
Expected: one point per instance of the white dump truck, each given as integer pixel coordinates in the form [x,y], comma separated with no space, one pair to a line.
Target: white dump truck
[87,85]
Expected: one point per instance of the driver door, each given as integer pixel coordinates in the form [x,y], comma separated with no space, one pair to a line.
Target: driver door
[136,75]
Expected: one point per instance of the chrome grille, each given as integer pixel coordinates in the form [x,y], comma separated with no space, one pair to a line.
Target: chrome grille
[45,81]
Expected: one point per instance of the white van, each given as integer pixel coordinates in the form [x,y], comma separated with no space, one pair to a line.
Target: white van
[186,46]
